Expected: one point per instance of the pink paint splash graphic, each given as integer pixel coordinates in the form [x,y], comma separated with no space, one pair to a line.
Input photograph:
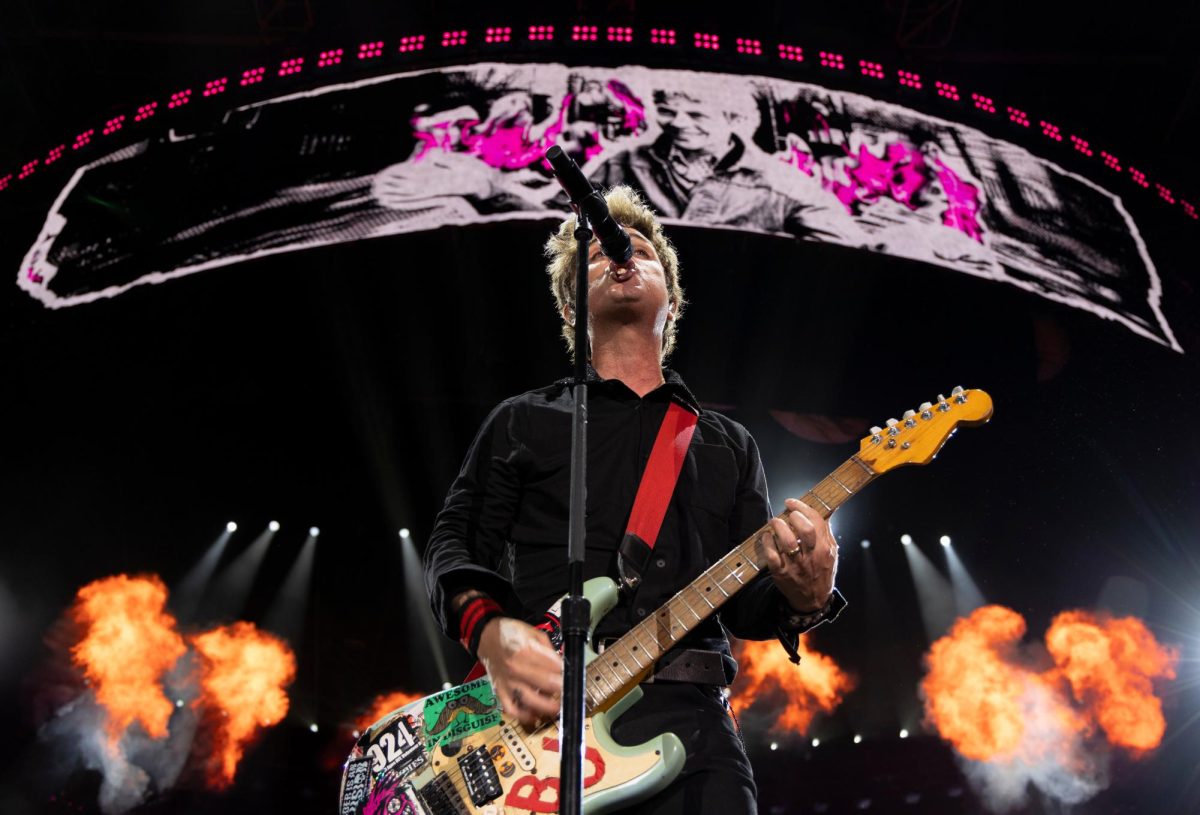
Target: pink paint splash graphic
[962,198]
[506,142]
[635,110]
[899,175]
[502,143]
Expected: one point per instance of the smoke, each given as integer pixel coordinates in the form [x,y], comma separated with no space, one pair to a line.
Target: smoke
[1072,772]
[106,727]
[1024,717]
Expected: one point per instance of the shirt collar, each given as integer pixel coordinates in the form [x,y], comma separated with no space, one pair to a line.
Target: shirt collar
[674,387]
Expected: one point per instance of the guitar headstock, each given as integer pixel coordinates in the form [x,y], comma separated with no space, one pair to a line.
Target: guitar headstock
[920,434]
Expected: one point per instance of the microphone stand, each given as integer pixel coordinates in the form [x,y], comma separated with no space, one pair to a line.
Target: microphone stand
[576,610]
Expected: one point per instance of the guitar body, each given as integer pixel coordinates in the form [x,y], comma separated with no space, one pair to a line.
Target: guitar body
[457,753]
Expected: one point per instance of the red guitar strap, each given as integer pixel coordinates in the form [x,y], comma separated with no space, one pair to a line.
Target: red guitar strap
[654,492]
[649,508]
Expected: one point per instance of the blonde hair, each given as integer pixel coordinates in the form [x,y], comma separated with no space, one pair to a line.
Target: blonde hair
[629,209]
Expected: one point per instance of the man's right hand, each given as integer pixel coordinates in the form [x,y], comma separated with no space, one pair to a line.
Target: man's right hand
[525,670]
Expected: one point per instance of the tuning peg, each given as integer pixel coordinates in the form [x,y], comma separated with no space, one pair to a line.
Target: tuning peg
[909,421]
[925,406]
[943,405]
[892,427]
[959,395]
[926,411]
[957,390]
[875,431]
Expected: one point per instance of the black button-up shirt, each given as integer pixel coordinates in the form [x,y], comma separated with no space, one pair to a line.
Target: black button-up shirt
[503,529]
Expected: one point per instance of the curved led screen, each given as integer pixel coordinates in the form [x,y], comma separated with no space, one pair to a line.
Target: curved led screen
[463,145]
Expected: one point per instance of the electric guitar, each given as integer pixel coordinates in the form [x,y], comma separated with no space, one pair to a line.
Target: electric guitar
[457,753]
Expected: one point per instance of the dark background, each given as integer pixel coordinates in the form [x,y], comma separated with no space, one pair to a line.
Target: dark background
[339,387]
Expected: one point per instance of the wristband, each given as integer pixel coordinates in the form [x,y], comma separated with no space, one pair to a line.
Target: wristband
[475,616]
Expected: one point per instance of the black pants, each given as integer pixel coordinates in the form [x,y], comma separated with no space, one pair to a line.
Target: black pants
[716,777]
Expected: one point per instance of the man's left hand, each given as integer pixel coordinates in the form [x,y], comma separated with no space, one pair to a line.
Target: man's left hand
[802,556]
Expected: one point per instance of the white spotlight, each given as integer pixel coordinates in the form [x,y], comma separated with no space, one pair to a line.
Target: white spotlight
[231,527]
[816,742]
[906,539]
[866,544]
[447,685]
[273,526]
[314,531]
[903,733]
[178,703]
[404,533]
[945,540]
[313,727]
[857,739]
[774,745]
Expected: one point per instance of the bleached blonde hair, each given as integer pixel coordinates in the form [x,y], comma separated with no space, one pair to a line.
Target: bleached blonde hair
[630,210]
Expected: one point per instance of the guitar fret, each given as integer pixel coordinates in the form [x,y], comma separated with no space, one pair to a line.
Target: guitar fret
[835,480]
[731,571]
[652,651]
[814,495]
[704,597]
[870,473]
[683,599]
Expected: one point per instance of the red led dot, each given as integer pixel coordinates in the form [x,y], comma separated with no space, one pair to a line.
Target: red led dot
[1190,209]
[113,125]
[252,75]
[909,79]
[83,139]
[215,86]
[451,39]
[792,53]
[414,42]
[55,154]
[179,99]
[946,90]
[829,59]
[541,33]
[983,103]
[662,36]
[27,169]
[5,181]
[1051,131]
[1018,117]
[871,69]
[291,66]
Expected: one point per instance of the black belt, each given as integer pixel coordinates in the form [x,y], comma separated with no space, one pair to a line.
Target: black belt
[687,665]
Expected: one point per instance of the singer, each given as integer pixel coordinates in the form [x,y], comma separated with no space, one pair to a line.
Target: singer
[495,560]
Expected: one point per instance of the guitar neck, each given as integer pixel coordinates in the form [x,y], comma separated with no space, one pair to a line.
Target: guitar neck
[627,661]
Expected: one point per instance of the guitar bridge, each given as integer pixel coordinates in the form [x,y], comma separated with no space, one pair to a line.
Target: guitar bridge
[439,797]
[483,782]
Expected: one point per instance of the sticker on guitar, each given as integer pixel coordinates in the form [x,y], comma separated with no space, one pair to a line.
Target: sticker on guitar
[399,748]
[458,712]
[541,794]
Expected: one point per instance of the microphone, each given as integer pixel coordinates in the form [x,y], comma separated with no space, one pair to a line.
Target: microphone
[614,241]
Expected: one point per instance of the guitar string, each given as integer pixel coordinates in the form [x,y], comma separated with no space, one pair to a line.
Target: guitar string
[455,773]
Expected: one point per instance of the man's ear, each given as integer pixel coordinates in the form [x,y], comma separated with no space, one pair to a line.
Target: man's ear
[568,314]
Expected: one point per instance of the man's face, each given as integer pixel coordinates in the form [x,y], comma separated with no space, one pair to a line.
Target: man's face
[631,291]
[694,125]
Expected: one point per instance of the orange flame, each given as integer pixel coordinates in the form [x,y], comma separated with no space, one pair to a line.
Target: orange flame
[245,671]
[984,699]
[382,705]
[816,685]
[1110,665]
[129,643]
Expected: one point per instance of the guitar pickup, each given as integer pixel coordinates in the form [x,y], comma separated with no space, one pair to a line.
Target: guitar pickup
[483,782]
[516,747]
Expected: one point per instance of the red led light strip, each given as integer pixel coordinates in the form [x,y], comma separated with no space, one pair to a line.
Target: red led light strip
[709,41]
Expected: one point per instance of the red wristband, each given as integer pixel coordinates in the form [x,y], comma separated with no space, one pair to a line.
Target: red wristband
[474,617]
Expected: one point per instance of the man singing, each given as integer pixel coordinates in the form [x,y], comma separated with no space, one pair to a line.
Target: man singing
[497,557]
